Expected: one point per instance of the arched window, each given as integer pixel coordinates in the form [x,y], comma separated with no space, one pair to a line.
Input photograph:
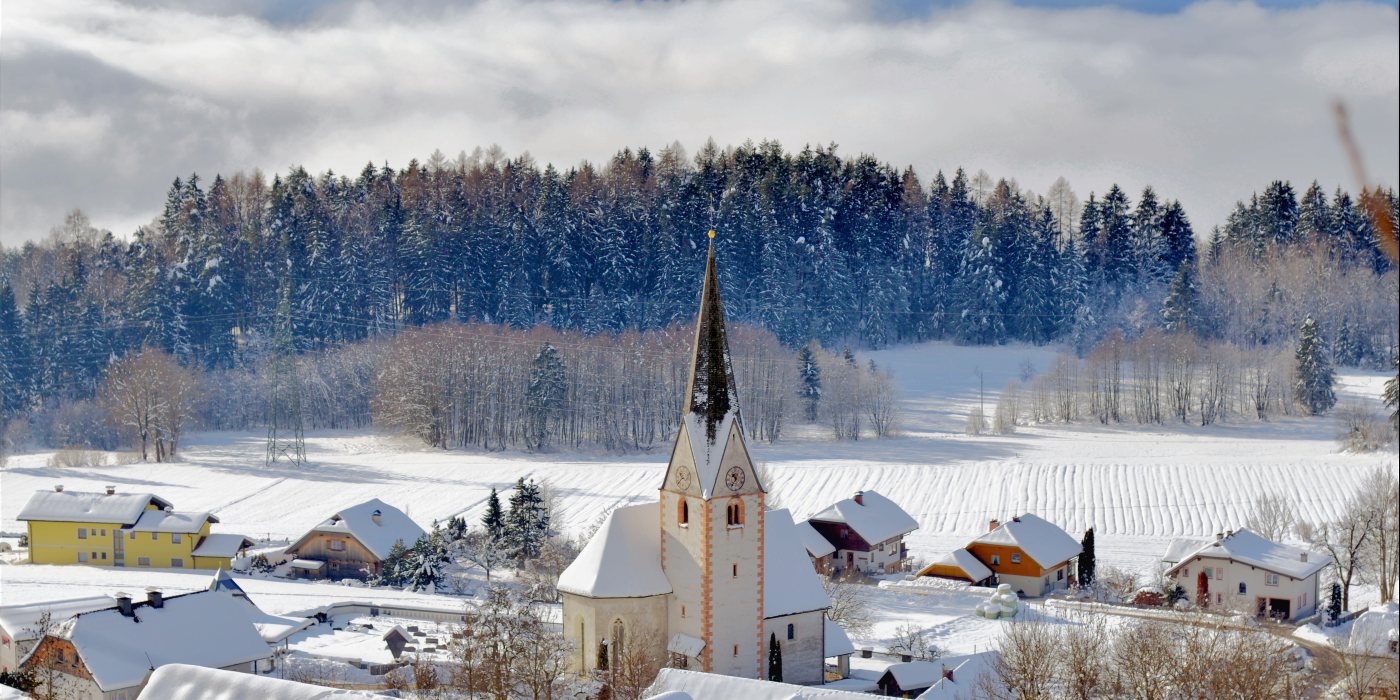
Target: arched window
[617,634]
[1242,588]
[792,631]
[683,512]
[734,514]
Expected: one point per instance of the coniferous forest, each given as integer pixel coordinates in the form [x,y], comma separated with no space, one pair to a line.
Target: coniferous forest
[814,246]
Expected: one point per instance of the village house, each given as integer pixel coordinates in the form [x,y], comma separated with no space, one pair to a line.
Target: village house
[109,654]
[353,543]
[867,533]
[962,677]
[1033,556]
[708,575]
[1245,572]
[124,529]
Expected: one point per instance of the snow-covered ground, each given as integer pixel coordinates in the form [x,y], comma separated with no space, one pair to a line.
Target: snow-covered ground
[1137,486]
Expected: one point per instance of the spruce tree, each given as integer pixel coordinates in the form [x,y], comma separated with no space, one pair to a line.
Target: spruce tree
[1313,385]
[981,293]
[1181,308]
[14,355]
[811,374]
[494,520]
[1391,395]
[544,395]
[527,522]
[1087,562]
[1334,603]
[775,658]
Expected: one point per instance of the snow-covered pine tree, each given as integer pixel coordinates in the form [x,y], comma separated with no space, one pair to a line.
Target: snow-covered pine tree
[544,395]
[1148,241]
[1278,213]
[1314,378]
[14,355]
[1179,239]
[1334,603]
[494,519]
[811,375]
[1314,216]
[1181,308]
[527,522]
[981,293]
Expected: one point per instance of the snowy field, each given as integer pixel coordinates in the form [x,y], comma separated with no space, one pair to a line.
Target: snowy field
[1137,486]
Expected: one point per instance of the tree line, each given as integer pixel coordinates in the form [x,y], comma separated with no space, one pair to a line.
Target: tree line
[815,246]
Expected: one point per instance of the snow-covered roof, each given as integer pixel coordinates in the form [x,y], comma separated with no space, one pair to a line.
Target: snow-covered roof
[967,681]
[1182,547]
[398,630]
[275,628]
[963,560]
[1374,630]
[875,519]
[221,545]
[184,682]
[712,686]
[21,621]
[378,536]
[222,581]
[204,628]
[1041,540]
[88,507]
[790,584]
[685,645]
[623,560]
[172,521]
[837,643]
[816,545]
[914,675]
[1248,548]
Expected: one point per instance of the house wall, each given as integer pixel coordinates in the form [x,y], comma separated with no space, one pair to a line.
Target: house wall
[1224,592]
[588,621]
[56,661]
[159,550]
[802,656]
[339,564]
[57,542]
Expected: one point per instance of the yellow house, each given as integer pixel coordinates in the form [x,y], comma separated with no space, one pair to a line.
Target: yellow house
[123,529]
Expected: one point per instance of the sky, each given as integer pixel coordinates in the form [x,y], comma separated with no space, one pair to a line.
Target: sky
[103,103]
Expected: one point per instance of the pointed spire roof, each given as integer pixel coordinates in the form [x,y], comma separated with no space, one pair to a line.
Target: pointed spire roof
[711,395]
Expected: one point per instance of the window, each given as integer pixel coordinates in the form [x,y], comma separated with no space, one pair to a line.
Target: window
[104,556]
[175,537]
[104,532]
[1015,559]
[1186,572]
[792,631]
[82,556]
[82,533]
[1220,572]
[132,535]
[617,639]
[155,536]
[736,571]
[682,611]
[336,545]
[736,651]
[1242,588]
[1219,598]
[1059,574]
[177,563]
[734,514]
[1271,580]
[996,560]
[143,561]
[683,513]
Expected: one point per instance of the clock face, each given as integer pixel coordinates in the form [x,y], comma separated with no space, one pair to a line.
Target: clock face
[682,478]
[734,478]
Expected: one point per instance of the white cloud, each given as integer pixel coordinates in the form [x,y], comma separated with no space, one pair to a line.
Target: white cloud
[1206,104]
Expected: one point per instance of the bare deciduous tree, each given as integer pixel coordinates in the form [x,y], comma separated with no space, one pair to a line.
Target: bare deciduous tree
[152,398]
[1272,516]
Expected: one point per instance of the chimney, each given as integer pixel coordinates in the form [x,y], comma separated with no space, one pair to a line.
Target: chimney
[948,673]
[1219,536]
[375,516]
[1015,518]
[155,598]
[169,510]
[993,524]
[1229,533]
[1302,556]
[58,488]
[111,490]
[859,498]
[124,604]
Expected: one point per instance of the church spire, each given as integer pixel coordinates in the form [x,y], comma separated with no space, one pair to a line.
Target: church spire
[711,395]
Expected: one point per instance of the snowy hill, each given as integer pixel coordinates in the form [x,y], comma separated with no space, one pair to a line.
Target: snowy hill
[1138,486]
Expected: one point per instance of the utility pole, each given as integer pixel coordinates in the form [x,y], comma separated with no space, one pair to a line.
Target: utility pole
[285,438]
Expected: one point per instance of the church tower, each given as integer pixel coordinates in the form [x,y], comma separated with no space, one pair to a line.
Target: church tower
[712,509]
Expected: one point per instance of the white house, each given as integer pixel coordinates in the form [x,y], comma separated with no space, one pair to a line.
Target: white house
[708,576]
[867,532]
[1246,572]
[109,654]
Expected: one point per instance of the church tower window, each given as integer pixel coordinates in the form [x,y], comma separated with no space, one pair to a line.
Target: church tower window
[683,513]
[734,514]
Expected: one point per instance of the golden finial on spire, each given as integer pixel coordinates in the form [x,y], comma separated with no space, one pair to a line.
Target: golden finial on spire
[712,233]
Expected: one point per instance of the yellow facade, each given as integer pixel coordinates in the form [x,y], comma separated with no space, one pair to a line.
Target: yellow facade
[96,544]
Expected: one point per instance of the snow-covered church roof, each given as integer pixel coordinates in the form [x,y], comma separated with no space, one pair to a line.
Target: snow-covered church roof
[712,686]
[622,560]
[875,518]
[1248,548]
[374,523]
[1042,540]
[790,584]
[711,407]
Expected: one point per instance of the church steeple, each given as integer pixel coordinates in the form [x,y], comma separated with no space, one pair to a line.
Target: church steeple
[711,395]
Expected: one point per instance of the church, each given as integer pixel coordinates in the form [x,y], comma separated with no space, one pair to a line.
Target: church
[708,571]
